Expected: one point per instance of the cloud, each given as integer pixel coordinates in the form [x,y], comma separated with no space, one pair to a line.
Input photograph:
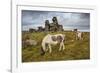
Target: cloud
[68,20]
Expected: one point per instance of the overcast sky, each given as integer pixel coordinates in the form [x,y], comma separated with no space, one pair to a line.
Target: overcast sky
[69,20]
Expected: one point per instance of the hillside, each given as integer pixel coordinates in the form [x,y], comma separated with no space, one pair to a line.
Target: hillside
[74,49]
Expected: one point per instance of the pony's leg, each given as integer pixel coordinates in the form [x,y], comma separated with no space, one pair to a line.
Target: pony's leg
[46,47]
[80,38]
[76,36]
[43,49]
[60,46]
[50,50]
[63,45]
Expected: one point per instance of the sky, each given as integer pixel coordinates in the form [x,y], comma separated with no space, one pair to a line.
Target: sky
[69,20]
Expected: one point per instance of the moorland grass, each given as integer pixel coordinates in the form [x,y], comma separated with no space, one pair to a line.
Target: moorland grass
[74,49]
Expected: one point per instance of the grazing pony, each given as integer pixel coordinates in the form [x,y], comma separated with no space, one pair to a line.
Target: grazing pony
[50,39]
[79,35]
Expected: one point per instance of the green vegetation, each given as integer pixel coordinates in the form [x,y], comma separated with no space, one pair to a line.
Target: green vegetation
[75,49]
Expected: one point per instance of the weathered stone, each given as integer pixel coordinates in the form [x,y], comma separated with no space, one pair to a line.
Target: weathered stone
[47,26]
[54,26]
[40,28]
[32,30]
[29,42]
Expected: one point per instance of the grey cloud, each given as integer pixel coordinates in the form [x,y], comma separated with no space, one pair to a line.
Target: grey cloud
[72,20]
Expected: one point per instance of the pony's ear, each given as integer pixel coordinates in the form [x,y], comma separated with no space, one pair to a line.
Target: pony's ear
[53,38]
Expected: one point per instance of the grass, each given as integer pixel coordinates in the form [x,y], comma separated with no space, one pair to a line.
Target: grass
[74,49]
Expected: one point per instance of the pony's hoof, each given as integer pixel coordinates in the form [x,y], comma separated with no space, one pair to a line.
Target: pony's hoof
[60,50]
[42,54]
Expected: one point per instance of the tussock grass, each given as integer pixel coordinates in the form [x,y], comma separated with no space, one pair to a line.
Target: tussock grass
[75,49]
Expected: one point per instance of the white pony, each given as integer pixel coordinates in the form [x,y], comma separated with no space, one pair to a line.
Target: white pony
[79,35]
[49,40]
